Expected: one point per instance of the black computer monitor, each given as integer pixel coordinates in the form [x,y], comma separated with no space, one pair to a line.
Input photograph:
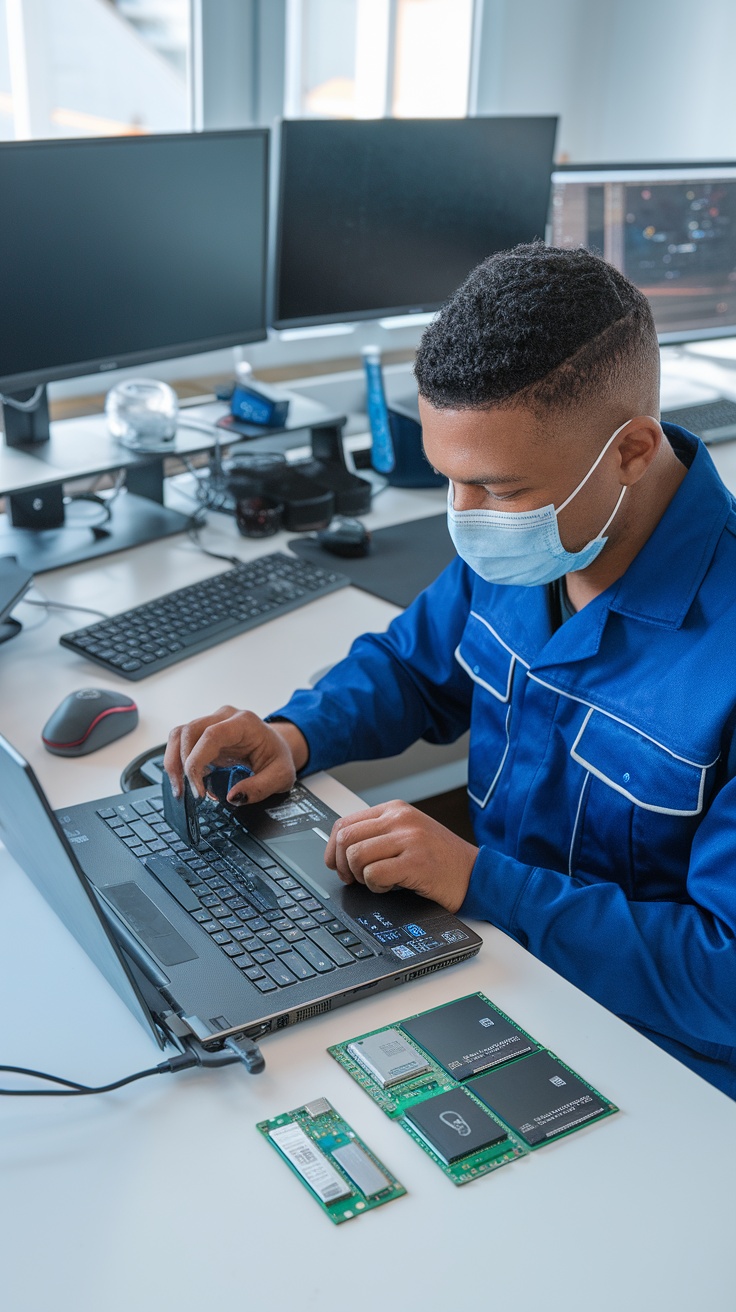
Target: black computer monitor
[121,251]
[671,228]
[388,216]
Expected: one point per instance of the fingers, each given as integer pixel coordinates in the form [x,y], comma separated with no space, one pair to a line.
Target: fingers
[181,741]
[277,777]
[172,761]
[339,830]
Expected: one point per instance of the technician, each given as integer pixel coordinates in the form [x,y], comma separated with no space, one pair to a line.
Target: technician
[585,635]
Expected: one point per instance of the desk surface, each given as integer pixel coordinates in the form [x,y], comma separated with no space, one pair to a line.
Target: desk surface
[164,1195]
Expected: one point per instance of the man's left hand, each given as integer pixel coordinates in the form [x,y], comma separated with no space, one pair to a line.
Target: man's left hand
[395,846]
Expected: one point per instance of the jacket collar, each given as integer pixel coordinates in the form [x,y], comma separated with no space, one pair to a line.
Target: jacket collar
[661,583]
[658,587]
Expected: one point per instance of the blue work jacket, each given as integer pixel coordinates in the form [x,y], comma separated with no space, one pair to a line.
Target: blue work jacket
[602,762]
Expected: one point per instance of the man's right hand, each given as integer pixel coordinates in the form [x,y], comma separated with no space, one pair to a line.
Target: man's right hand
[274,752]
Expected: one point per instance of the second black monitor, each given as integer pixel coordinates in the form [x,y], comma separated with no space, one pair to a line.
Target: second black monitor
[388,216]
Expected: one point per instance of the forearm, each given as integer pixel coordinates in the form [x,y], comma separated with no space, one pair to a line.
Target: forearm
[670,967]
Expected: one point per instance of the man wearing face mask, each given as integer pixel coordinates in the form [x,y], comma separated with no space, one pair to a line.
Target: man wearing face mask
[584,634]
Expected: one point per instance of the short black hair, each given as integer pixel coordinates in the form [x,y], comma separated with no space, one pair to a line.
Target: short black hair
[537,326]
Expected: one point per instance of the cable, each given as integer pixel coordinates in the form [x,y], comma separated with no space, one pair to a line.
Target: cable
[193,535]
[32,403]
[47,604]
[237,1048]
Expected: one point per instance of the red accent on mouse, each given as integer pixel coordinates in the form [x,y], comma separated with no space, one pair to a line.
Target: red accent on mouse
[87,720]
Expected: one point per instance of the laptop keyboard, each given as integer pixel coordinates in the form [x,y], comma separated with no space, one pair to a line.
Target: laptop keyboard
[270,925]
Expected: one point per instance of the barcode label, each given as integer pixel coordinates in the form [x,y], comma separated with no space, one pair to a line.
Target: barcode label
[310,1163]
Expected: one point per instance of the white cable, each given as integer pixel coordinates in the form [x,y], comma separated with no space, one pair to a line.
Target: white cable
[26,406]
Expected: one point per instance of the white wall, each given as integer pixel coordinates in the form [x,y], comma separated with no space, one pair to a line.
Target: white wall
[631,79]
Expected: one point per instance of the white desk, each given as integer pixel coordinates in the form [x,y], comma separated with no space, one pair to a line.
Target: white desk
[163,1195]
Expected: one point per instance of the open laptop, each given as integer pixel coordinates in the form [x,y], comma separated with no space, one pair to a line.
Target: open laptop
[244,934]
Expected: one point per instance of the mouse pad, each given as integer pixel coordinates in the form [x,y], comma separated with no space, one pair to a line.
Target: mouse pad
[404,559]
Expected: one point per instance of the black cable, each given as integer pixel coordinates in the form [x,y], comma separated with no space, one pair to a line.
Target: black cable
[237,1048]
[72,1088]
[193,535]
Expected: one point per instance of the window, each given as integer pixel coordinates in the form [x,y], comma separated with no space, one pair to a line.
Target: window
[367,58]
[93,68]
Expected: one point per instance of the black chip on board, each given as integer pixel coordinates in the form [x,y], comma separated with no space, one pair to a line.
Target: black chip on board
[454,1125]
[538,1097]
[468,1036]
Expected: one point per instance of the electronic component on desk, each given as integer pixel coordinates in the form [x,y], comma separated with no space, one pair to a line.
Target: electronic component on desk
[454,1125]
[336,1165]
[468,1036]
[713,421]
[179,624]
[387,1051]
[345,537]
[14,583]
[256,403]
[87,720]
[540,1098]
[388,1058]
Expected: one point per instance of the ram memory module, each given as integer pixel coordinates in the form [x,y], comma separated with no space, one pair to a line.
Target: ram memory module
[337,1167]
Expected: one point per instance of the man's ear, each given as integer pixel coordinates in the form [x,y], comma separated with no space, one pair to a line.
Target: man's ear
[638,445]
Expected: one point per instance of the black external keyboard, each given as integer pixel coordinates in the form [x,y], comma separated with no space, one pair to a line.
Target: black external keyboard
[270,926]
[714,421]
[144,640]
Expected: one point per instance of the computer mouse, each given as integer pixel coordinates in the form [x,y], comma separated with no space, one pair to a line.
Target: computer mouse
[88,719]
[345,537]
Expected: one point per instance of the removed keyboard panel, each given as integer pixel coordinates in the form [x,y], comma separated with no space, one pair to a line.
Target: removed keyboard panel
[326,1154]
[178,624]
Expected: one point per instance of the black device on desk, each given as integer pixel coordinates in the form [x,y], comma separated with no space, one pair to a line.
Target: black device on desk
[14,583]
[154,248]
[245,933]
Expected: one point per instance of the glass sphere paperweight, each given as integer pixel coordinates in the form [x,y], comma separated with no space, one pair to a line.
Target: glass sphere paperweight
[142,414]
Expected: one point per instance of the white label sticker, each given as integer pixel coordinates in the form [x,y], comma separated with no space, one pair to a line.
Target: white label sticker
[310,1163]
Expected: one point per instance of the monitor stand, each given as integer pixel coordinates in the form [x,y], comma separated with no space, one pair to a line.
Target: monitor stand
[9,629]
[34,528]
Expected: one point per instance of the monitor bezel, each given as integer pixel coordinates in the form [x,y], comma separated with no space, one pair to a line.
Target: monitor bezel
[686,168]
[20,382]
[354,316]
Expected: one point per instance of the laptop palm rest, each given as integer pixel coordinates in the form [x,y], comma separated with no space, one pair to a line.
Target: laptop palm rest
[153,929]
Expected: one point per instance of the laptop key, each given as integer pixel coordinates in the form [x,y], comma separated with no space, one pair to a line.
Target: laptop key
[299,966]
[362,952]
[222,937]
[306,922]
[258,924]
[280,974]
[232,922]
[312,954]
[245,959]
[322,916]
[262,955]
[265,984]
[312,905]
[335,926]
[348,940]
[292,935]
[106,813]
[232,949]
[268,935]
[254,972]
[140,849]
[328,944]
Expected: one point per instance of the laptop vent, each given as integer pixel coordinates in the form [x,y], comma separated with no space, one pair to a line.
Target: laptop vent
[438,965]
[317,1008]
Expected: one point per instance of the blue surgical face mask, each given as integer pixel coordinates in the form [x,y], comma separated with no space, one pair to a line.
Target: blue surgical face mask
[523,547]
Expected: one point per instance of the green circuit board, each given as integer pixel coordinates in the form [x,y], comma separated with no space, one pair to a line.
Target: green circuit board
[326,1154]
[508,1079]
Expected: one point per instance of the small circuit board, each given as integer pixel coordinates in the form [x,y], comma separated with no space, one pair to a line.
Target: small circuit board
[337,1167]
[470,1086]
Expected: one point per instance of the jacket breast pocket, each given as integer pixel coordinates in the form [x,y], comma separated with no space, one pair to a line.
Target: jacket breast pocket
[638,811]
[491,667]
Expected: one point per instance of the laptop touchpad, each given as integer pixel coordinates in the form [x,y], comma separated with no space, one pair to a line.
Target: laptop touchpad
[149,924]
